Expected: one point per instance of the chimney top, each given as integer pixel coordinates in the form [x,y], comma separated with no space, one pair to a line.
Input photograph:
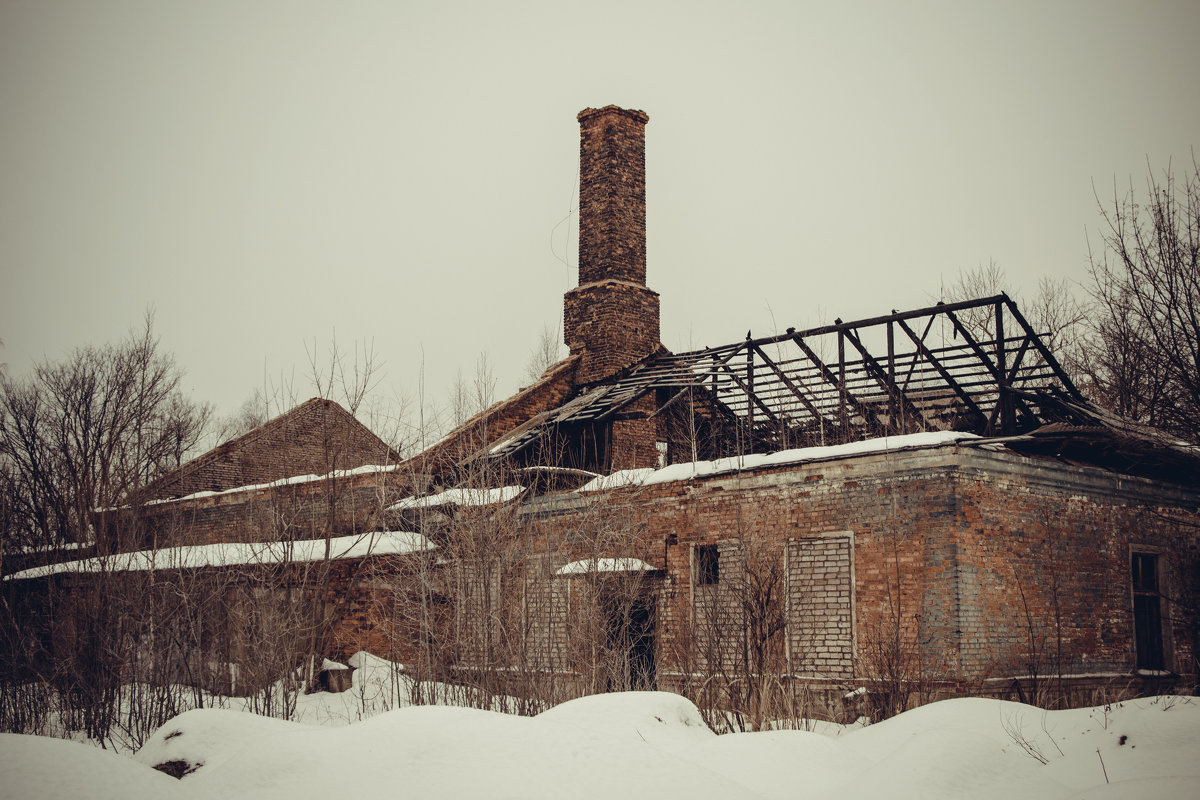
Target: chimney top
[632,113]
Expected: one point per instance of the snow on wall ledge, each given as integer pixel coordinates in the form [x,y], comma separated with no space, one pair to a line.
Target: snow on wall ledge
[591,565]
[697,469]
[376,543]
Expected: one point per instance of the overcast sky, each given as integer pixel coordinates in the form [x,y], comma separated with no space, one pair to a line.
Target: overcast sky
[267,173]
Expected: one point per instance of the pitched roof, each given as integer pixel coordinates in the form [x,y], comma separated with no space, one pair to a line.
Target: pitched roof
[317,436]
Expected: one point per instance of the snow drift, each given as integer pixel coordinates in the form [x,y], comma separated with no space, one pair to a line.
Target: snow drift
[638,745]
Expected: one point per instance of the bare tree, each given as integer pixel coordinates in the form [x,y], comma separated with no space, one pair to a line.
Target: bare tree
[252,413]
[342,378]
[1055,310]
[83,433]
[734,660]
[1146,283]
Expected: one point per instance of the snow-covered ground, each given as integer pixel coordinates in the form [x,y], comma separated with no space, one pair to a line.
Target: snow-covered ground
[631,745]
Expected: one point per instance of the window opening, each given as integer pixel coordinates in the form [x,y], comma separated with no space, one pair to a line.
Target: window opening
[1147,612]
[708,565]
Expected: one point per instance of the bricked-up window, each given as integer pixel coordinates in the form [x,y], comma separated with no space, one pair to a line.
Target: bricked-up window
[820,604]
[1147,612]
[708,565]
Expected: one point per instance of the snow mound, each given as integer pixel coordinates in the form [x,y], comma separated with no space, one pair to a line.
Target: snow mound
[41,768]
[1146,789]
[633,745]
[774,763]
[991,748]
[658,718]
[205,738]
[433,752]
[946,765]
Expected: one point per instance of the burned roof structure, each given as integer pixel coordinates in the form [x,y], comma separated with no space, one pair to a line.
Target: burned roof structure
[975,366]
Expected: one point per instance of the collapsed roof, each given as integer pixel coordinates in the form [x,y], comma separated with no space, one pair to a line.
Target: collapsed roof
[974,365]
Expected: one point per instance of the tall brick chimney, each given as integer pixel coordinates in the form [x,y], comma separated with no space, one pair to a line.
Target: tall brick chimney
[611,317]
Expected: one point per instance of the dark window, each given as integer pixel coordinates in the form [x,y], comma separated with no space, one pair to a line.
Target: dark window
[1147,612]
[708,564]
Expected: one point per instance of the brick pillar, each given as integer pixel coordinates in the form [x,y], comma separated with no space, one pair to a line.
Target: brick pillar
[611,317]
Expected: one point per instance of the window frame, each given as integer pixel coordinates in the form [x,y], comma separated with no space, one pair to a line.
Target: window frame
[1148,610]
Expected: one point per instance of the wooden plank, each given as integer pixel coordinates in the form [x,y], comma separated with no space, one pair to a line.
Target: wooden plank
[885,381]
[945,375]
[866,412]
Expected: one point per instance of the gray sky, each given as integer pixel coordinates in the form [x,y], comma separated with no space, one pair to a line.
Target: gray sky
[267,173]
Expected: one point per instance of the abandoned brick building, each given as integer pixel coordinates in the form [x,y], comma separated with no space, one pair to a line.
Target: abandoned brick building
[917,502]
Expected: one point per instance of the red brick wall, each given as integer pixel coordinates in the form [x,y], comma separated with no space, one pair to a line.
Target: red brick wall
[964,540]
[612,324]
[634,441]
[974,551]
[1064,552]
[261,617]
[376,611]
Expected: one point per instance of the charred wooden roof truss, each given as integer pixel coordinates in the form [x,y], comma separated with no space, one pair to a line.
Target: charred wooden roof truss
[975,365]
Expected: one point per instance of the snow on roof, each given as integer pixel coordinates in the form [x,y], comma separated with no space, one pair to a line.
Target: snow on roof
[624,477]
[226,554]
[460,497]
[590,565]
[366,469]
[697,469]
[561,471]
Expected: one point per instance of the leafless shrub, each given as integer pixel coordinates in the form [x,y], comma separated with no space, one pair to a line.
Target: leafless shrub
[1014,726]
